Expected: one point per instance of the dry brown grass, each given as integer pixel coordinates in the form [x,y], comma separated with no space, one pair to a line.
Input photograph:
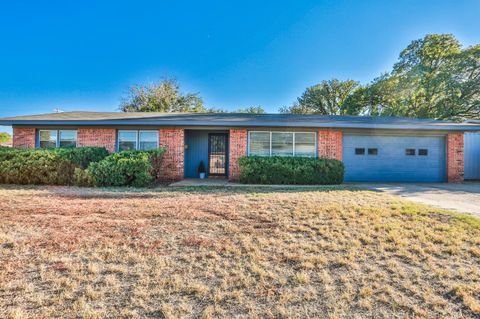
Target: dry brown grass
[265,253]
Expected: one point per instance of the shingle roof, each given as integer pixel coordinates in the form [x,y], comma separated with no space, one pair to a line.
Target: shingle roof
[234,120]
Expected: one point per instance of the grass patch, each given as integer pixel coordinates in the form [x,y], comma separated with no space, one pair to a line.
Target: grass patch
[329,252]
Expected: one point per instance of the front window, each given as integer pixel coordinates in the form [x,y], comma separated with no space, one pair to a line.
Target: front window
[67,138]
[148,140]
[57,138]
[137,140]
[282,144]
[260,143]
[127,140]
[305,144]
[48,138]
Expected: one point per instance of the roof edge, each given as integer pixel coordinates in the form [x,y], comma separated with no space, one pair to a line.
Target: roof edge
[456,127]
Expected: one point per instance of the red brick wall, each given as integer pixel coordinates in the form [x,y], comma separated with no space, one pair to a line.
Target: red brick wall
[24,137]
[455,167]
[173,140]
[330,144]
[238,148]
[99,137]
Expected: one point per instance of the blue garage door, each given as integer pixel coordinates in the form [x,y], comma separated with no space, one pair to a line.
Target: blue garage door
[370,158]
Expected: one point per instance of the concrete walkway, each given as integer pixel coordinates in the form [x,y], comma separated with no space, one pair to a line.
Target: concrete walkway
[464,197]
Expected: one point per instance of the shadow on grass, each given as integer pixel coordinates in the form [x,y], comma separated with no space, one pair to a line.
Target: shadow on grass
[164,191]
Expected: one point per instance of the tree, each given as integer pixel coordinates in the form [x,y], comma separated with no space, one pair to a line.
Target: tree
[326,98]
[5,137]
[433,78]
[252,110]
[161,97]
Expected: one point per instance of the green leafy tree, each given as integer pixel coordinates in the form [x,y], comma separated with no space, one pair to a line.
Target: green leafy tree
[164,96]
[252,110]
[433,78]
[326,98]
[5,137]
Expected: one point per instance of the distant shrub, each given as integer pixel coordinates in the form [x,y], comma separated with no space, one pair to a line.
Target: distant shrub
[129,168]
[290,170]
[46,166]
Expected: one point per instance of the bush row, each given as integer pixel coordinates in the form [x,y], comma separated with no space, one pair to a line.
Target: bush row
[290,170]
[46,166]
[83,166]
[91,166]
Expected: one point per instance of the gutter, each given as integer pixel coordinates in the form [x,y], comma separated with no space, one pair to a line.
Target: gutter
[459,127]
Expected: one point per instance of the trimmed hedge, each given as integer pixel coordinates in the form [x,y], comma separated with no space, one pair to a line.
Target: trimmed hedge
[82,156]
[35,167]
[290,170]
[129,168]
[45,166]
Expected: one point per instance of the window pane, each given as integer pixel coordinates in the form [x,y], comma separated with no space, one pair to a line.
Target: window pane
[423,152]
[282,144]
[359,151]
[410,151]
[372,151]
[259,143]
[148,140]
[127,141]
[68,138]
[48,138]
[305,144]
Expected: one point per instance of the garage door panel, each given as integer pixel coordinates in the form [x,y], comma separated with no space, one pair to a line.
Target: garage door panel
[391,162]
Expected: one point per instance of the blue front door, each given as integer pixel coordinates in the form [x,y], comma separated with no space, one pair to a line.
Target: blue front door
[198,145]
[371,158]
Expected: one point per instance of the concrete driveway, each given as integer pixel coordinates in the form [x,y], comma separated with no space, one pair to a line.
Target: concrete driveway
[463,197]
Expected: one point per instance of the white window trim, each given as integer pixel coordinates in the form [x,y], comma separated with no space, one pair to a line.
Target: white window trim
[294,146]
[57,136]
[137,137]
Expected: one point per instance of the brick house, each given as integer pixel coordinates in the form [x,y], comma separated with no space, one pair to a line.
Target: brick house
[386,149]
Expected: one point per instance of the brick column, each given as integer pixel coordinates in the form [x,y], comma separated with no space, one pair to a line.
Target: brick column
[330,144]
[173,140]
[238,148]
[97,137]
[455,167]
[24,137]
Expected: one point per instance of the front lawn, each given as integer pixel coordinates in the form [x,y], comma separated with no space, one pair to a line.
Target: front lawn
[327,252]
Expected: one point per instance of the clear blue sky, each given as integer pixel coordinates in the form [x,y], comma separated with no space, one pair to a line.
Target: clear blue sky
[83,55]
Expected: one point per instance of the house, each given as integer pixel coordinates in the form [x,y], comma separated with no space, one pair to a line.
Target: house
[376,149]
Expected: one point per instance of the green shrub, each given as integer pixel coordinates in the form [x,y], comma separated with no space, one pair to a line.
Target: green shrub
[82,178]
[35,167]
[46,166]
[129,168]
[290,170]
[82,156]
